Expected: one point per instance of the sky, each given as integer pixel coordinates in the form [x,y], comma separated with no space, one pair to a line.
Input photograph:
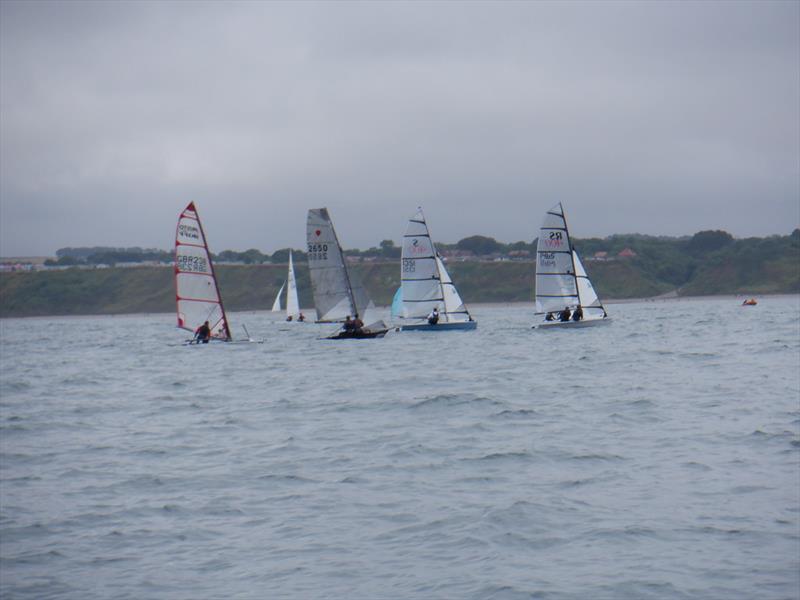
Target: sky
[661,118]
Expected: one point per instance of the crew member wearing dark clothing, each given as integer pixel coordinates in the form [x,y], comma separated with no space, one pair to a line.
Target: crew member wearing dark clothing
[202,334]
[578,314]
[564,315]
[550,317]
[358,325]
[349,324]
[433,318]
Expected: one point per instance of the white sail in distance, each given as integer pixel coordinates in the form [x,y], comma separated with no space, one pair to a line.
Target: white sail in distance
[337,293]
[196,291]
[292,302]
[276,306]
[425,282]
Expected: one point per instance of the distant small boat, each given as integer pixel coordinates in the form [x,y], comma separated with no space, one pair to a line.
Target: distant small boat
[426,284]
[750,302]
[337,293]
[292,302]
[562,285]
[196,289]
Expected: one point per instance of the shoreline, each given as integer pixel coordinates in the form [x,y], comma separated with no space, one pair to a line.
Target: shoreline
[310,310]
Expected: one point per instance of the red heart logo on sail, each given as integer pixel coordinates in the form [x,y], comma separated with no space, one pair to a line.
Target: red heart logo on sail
[318,232]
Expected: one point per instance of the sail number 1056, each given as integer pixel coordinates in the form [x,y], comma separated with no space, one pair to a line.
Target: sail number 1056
[317,251]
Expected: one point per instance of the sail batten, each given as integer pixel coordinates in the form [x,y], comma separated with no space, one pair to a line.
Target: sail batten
[196,290]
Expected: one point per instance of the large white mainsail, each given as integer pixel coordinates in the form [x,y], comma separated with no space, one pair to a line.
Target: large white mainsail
[425,282]
[196,291]
[276,306]
[337,293]
[556,285]
[292,302]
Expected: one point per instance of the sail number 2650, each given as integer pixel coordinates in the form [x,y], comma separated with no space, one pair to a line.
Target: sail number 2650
[317,251]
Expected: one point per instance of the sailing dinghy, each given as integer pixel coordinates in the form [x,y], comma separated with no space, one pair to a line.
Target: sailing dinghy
[292,301]
[196,289]
[337,293]
[426,284]
[561,280]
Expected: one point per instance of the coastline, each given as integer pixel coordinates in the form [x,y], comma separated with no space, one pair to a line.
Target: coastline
[520,304]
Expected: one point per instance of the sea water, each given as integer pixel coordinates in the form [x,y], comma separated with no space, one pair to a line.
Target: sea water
[656,456]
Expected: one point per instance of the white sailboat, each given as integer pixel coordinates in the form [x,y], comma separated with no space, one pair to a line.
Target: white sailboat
[561,281]
[292,301]
[196,290]
[426,284]
[337,293]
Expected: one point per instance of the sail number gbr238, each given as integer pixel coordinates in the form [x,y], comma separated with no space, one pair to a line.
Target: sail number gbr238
[317,251]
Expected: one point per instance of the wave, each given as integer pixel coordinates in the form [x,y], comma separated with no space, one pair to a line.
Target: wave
[450,400]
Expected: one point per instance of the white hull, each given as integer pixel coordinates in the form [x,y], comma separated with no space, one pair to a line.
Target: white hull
[571,324]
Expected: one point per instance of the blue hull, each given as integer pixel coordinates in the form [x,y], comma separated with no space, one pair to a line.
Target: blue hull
[461,326]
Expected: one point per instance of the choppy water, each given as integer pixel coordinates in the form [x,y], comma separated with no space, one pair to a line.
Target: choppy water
[658,457]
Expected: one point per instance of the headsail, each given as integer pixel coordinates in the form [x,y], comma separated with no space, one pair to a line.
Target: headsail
[276,306]
[454,308]
[292,303]
[556,285]
[590,303]
[196,290]
[336,293]
[425,282]
[397,303]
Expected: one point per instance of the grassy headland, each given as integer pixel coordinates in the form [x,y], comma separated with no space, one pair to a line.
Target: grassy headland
[706,264]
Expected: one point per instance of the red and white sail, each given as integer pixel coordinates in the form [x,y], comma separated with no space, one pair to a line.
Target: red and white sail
[196,290]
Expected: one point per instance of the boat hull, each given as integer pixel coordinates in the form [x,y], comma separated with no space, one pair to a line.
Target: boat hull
[456,326]
[366,334]
[571,324]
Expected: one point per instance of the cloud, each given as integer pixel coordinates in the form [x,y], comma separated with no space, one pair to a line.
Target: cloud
[662,118]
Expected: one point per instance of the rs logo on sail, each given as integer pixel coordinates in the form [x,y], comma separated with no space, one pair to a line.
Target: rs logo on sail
[555,240]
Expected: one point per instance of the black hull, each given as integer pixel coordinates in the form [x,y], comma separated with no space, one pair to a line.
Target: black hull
[363,335]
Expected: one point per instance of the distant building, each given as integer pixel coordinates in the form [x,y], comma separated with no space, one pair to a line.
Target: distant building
[601,255]
[457,254]
[519,254]
[626,253]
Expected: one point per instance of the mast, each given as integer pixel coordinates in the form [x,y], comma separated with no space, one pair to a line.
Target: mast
[571,253]
[213,273]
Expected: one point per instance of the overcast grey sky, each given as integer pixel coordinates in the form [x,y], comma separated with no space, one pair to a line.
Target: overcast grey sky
[651,117]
